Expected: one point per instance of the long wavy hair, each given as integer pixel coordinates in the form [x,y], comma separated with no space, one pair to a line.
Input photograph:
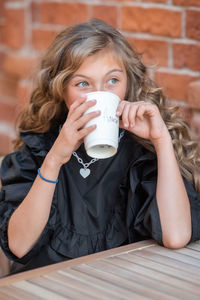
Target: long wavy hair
[65,55]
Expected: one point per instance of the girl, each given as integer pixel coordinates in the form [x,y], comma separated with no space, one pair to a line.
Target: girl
[149,189]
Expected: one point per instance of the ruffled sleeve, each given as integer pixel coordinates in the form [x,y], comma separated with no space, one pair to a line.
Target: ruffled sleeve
[143,218]
[195,210]
[18,172]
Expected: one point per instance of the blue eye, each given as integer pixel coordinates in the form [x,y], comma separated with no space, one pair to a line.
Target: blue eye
[113,80]
[82,84]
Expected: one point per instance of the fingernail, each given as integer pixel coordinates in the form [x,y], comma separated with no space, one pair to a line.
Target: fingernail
[117,113]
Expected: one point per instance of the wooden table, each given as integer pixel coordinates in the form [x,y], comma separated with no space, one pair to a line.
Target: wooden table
[142,270]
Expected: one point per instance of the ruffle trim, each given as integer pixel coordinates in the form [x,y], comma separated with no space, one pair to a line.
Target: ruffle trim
[72,244]
[4,235]
[39,143]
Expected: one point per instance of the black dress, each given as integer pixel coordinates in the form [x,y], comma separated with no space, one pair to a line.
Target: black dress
[113,206]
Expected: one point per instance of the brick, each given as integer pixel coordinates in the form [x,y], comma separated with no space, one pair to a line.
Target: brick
[63,13]
[117,1]
[41,38]
[193,94]
[8,86]
[105,13]
[154,52]
[2,56]
[1,29]
[13,34]
[35,11]
[155,1]
[151,20]
[186,2]
[8,111]
[186,56]
[20,66]
[175,86]
[193,24]
[2,8]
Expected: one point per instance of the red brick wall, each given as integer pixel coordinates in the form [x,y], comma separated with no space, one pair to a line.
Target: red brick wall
[167,31]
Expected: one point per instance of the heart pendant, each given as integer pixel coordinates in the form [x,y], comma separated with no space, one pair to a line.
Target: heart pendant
[84,172]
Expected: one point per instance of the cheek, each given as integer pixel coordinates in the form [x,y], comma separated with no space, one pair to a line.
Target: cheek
[70,96]
[121,92]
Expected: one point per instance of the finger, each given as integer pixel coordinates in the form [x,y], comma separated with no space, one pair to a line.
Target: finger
[80,123]
[77,103]
[120,108]
[147,109]
[81,109]
[141,111]
[132,113]
[125,114]
[121,125]
[85,131]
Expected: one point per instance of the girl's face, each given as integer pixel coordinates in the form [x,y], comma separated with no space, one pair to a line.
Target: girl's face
[99,72]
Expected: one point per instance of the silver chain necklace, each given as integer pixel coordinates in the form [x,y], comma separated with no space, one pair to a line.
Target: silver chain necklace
[85,172]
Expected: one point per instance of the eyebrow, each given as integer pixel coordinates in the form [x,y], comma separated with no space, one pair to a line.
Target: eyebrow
[109,72]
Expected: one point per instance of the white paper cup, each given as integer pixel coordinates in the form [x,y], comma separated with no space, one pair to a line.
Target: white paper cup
[103,141]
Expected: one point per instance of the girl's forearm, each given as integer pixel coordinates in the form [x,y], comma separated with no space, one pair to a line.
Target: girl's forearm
[172,199]
[29,219]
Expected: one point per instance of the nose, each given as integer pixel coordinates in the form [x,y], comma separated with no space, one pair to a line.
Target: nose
[100,87]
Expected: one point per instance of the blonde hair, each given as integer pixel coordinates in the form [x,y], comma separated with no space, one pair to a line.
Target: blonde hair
[66,54]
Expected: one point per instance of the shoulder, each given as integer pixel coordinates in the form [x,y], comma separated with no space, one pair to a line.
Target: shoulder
[17,165]
[25,161]
[39,143]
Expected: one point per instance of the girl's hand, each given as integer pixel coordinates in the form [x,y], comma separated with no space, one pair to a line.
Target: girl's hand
[142,119]
[73,132]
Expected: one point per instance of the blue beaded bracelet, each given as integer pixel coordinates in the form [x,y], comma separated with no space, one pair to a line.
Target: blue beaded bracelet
[48,180]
